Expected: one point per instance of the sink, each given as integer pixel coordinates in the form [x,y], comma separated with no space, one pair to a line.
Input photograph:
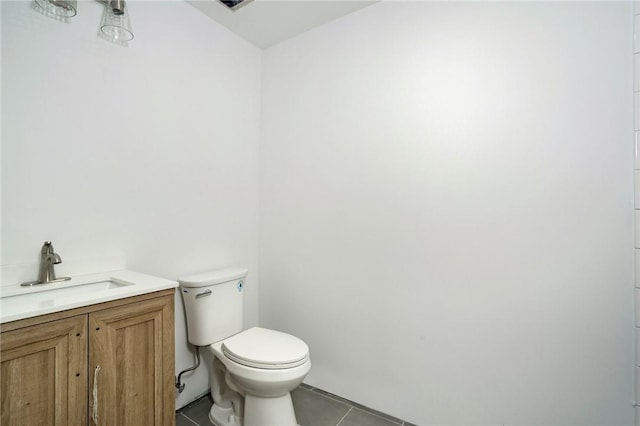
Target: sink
[18,302]
[47,295]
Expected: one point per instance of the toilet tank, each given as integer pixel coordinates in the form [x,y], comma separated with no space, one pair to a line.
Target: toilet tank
[213,303]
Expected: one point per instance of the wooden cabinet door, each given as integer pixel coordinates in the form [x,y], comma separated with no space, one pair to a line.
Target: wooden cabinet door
[131,364]
[44,374]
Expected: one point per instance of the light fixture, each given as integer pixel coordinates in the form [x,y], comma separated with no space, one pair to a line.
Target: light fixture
[116,24]
[117,6]
[235,4]
[58,8]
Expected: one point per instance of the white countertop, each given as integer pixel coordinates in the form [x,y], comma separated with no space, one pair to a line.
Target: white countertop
[18,302]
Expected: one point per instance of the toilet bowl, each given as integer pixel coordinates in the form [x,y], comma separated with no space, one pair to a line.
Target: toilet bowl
[263,366]
[252,372]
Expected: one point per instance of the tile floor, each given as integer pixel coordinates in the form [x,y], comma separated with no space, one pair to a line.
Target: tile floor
[314,407]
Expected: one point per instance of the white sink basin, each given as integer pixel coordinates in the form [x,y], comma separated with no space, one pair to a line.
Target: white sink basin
[23,302]
[46,295]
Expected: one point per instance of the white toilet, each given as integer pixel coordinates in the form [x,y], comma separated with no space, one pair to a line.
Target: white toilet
[254,370]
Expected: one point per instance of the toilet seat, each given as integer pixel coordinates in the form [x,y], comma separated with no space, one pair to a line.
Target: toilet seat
[265,349]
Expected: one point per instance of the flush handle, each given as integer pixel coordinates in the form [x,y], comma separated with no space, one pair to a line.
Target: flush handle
[203,294]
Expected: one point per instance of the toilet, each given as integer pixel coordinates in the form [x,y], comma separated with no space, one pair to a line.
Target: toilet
[253,371]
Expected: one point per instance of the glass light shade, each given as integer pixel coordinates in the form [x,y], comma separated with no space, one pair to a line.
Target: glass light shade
[116,27]
[62,8]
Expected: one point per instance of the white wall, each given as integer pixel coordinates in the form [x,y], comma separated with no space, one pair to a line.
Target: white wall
[148,152]
[446,190]
[446,194]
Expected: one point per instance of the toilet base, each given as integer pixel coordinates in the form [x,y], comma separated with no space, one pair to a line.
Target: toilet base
[276,411]
[223,416]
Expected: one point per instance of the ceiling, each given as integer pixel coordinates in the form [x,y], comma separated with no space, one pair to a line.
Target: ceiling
[268,22]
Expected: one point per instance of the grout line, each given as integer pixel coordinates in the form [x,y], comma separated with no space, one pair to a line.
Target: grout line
[187,417]
[334,399]
[364,409]
[380,417]
[345,415]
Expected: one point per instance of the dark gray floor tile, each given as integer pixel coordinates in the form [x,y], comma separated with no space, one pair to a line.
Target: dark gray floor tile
[199,411]
[356,405]
[183,421]
[333,396]
[357,417]
[377,413]
[313,409]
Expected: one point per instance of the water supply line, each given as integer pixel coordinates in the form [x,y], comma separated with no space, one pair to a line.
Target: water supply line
[180,386]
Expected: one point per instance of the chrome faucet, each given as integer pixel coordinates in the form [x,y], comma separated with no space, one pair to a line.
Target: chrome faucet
[46,272]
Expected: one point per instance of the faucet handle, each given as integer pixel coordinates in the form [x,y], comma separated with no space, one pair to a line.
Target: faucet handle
[52,256]
[47,248]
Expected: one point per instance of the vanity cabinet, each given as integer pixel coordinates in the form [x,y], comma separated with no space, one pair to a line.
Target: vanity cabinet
[44,373]
[128,347]
[107,364]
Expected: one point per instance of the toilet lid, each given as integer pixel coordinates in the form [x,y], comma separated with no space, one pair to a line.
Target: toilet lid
[267,349]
